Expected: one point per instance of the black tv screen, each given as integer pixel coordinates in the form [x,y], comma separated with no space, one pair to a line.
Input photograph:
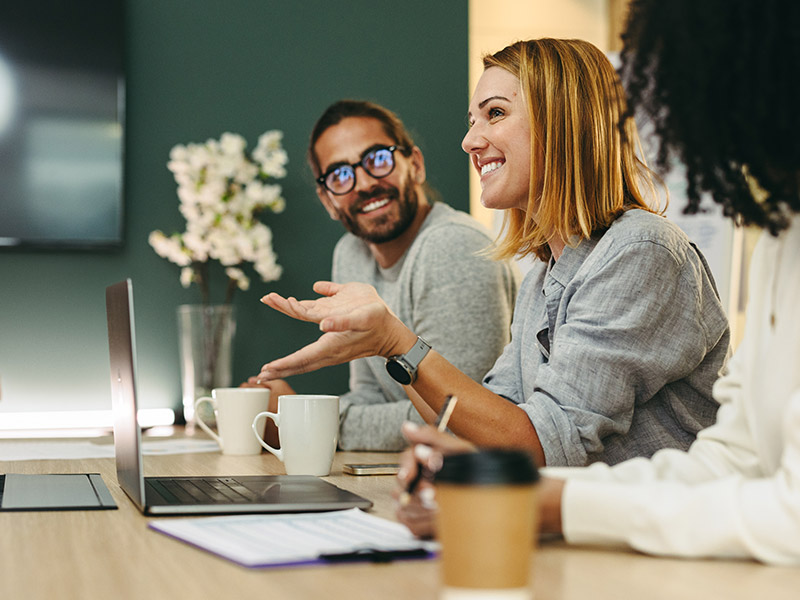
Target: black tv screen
[61,123]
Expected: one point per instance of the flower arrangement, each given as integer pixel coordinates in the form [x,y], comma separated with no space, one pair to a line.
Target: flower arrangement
[221,191]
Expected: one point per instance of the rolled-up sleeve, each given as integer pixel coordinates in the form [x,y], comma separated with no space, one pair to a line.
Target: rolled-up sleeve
[620,330]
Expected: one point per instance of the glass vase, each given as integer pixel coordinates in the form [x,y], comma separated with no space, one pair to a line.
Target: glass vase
[205,337]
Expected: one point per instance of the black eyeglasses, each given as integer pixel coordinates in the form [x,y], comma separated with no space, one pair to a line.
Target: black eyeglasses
[378,162]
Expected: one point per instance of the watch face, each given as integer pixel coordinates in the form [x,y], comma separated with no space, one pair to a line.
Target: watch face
[398,372]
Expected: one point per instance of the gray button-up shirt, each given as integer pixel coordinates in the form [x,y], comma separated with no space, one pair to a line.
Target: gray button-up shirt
[616,345]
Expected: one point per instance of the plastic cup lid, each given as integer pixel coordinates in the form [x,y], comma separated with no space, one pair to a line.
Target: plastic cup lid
[489,467]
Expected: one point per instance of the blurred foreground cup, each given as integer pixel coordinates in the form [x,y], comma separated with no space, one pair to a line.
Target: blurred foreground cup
[487,523]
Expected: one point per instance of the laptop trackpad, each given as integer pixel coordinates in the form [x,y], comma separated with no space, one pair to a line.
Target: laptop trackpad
[55,492]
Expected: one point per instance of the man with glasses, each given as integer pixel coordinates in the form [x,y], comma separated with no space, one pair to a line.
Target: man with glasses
[424,258]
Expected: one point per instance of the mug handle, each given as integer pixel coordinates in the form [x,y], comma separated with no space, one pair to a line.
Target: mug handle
[277,419]
[199,420]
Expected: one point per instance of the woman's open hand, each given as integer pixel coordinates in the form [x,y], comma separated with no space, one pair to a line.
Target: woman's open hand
[356,323]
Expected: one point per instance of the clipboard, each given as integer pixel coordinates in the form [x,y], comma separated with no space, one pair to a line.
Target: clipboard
[299,539]
[71,491]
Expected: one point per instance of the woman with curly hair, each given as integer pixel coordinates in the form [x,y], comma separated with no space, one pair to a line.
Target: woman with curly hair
[719,80]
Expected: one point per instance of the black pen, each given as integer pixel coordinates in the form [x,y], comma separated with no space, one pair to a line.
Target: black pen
[374,555]
[441,424]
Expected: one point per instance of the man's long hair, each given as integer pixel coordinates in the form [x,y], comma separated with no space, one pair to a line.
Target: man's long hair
[343,109]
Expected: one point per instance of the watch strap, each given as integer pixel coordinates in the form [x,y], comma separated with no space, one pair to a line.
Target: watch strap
[418,351]
[403,367]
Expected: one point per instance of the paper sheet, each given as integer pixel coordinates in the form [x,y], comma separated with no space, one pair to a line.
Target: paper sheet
[70,450]
[290,539]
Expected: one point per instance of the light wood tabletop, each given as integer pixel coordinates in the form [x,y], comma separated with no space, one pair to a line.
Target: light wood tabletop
[90,555]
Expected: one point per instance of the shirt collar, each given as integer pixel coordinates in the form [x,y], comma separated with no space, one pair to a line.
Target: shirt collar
[563,270]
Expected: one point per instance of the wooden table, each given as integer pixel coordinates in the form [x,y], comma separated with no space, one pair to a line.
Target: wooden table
[112,554]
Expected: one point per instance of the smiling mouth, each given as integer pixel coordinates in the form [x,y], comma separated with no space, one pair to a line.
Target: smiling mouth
[374,205]
[489,167]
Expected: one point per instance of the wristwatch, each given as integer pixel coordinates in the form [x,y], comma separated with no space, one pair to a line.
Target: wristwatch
[403,367]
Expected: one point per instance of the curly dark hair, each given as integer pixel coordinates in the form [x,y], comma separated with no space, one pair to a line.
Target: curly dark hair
[720,80]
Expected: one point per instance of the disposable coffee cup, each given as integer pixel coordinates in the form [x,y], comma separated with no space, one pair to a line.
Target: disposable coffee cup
[487,524]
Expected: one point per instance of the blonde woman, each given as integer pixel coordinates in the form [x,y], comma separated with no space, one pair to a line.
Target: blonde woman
[618,333]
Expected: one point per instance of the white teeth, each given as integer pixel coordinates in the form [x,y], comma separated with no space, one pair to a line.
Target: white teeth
[374,205]
[492,166]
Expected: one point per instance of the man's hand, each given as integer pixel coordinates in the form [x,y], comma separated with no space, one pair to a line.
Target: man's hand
[277,388]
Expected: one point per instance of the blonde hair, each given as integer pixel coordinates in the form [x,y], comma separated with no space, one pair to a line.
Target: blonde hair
[591,171]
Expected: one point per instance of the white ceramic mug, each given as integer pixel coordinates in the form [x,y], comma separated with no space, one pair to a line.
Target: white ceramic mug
[308,429]
[235,409]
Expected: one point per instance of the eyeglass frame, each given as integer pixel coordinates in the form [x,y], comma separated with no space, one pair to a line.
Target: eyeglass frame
[321,180]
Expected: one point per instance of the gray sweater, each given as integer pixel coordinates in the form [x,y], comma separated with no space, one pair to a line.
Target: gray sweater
[459,302]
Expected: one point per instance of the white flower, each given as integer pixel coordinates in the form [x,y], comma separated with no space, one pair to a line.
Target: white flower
[232,143]
[170,248]
[277,205]
[242,280]
[261,235]
[197,156]
[269,141]
[187,276]
[178,153]
[197,244]
[268,269]
[246,173]
[271,155]
[221,190]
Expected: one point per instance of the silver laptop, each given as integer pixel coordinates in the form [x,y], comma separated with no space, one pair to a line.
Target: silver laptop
[193,495]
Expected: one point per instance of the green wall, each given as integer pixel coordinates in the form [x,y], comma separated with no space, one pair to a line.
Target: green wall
[197,68]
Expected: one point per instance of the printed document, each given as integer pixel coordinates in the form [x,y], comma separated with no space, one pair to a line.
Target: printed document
[298,539]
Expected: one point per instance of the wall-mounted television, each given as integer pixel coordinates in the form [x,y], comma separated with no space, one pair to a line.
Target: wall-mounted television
[62,96]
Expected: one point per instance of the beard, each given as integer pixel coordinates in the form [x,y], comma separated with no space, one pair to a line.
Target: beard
[390,226]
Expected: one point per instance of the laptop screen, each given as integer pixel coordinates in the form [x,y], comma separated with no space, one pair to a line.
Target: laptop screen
[176,495]
[127,434]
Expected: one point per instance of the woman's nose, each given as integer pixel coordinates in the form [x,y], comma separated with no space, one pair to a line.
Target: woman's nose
[472,141]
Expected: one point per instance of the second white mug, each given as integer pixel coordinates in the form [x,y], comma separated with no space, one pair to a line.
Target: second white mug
[308,429]
[234,409]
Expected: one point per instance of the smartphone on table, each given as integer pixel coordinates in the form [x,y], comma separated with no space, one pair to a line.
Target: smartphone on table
[372,469]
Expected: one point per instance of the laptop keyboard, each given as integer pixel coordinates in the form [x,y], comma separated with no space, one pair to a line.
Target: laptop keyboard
[201,490]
